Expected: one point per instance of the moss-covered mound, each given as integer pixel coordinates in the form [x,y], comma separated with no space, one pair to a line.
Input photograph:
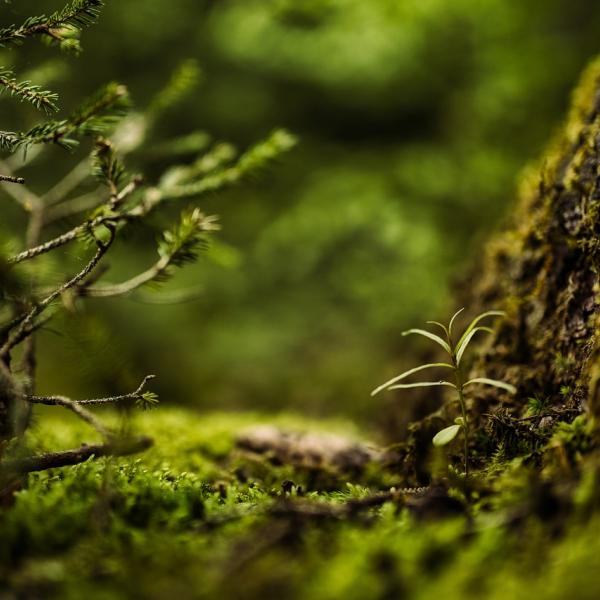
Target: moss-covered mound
[196,517]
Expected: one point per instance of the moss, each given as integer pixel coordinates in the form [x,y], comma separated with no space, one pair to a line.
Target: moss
[179,520]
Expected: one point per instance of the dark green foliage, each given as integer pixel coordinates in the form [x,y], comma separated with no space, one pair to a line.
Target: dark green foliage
[94,117]
[60,27]
[129,200]
[107,166]
[28,92]
[410,148]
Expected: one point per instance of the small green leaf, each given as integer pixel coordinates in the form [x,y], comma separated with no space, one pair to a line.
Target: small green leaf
[452,321]
[494,382]
[440,325]
[446,435]
[473,323]
[462,345]
[459,421]
[407,373]
[436,338]
[421,384]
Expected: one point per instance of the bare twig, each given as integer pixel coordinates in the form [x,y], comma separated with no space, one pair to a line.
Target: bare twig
[74,406]
[60,400]
[66,458]
[12,179]
[46,302]
[60,240]
[75,232]
[21,194]
[83,413]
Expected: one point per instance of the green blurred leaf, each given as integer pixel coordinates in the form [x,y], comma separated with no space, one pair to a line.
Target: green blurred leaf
[446,435]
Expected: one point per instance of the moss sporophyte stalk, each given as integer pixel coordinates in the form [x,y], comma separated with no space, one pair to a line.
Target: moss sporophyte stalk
[456,352]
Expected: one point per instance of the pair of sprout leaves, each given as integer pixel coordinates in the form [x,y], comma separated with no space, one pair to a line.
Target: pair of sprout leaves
[456,353]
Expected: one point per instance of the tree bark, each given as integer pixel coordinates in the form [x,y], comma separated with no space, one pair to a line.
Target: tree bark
[543,270]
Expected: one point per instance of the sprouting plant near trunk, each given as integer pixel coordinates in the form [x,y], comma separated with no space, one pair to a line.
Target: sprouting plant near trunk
[455,350]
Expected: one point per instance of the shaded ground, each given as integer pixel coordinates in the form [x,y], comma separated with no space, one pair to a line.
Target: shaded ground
[196,517]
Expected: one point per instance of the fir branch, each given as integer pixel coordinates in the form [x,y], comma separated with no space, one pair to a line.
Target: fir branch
[97,114]
[179,245]
[28,92]
[214,160]
[107,167]
[102,109]
[191,143]
[9,141]
[57,27]
[251,162]
[183,81]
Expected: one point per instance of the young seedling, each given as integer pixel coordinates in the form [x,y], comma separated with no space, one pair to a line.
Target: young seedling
[456,352]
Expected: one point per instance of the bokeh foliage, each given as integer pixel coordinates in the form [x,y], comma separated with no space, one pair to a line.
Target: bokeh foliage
[415,119]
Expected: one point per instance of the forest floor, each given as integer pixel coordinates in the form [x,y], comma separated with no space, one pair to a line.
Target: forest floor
[224,506]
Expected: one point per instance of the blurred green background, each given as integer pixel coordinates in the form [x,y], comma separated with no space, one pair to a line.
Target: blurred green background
[414,119]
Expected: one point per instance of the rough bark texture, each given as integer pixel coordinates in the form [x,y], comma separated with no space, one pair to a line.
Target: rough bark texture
[9,396]
[543,269]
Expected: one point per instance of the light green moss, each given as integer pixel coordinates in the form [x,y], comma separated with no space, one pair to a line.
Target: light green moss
[176,522]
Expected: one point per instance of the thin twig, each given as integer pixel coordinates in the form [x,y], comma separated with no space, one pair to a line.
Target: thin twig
[12,179]
[41,306]
[21,194]
[60,400]
[61,240]
[75,232]
[66,458]
[74,406]
[120,289]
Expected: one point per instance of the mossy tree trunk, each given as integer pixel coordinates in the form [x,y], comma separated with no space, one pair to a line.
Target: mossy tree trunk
[544,270]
